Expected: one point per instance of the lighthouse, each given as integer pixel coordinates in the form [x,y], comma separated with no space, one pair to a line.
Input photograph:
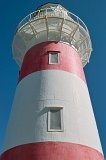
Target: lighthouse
[52,116]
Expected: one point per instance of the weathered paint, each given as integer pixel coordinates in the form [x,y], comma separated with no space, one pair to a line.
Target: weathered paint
[43,89]
[36,59]
[52,151]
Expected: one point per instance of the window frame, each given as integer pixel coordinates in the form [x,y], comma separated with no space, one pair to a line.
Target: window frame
[49,119]
[50,55]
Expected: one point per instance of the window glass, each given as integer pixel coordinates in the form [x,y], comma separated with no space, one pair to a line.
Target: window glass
[53,58]
[55,119]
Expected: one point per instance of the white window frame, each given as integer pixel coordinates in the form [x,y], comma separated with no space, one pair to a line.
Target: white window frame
[61,116]
[54,52]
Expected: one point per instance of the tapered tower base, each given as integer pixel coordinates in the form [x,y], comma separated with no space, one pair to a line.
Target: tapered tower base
[52,151]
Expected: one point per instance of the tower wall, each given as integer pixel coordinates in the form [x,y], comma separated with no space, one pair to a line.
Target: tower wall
[44,87]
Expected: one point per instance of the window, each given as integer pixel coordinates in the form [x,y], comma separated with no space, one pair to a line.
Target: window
[53,57]
[55,119]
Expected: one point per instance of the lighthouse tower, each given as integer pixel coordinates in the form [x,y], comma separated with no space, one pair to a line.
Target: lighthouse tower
[52,116]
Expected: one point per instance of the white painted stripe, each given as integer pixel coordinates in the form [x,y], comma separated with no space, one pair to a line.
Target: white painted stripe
[28,122]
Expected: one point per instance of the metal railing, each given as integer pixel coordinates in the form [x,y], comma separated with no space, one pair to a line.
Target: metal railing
[52,13]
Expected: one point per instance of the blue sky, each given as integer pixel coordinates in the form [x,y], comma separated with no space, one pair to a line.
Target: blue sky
[93,13]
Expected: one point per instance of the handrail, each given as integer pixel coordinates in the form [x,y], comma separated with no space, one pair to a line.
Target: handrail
[42,12]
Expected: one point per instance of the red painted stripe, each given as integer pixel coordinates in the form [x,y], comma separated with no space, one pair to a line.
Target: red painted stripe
[36,59]
[52,151]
